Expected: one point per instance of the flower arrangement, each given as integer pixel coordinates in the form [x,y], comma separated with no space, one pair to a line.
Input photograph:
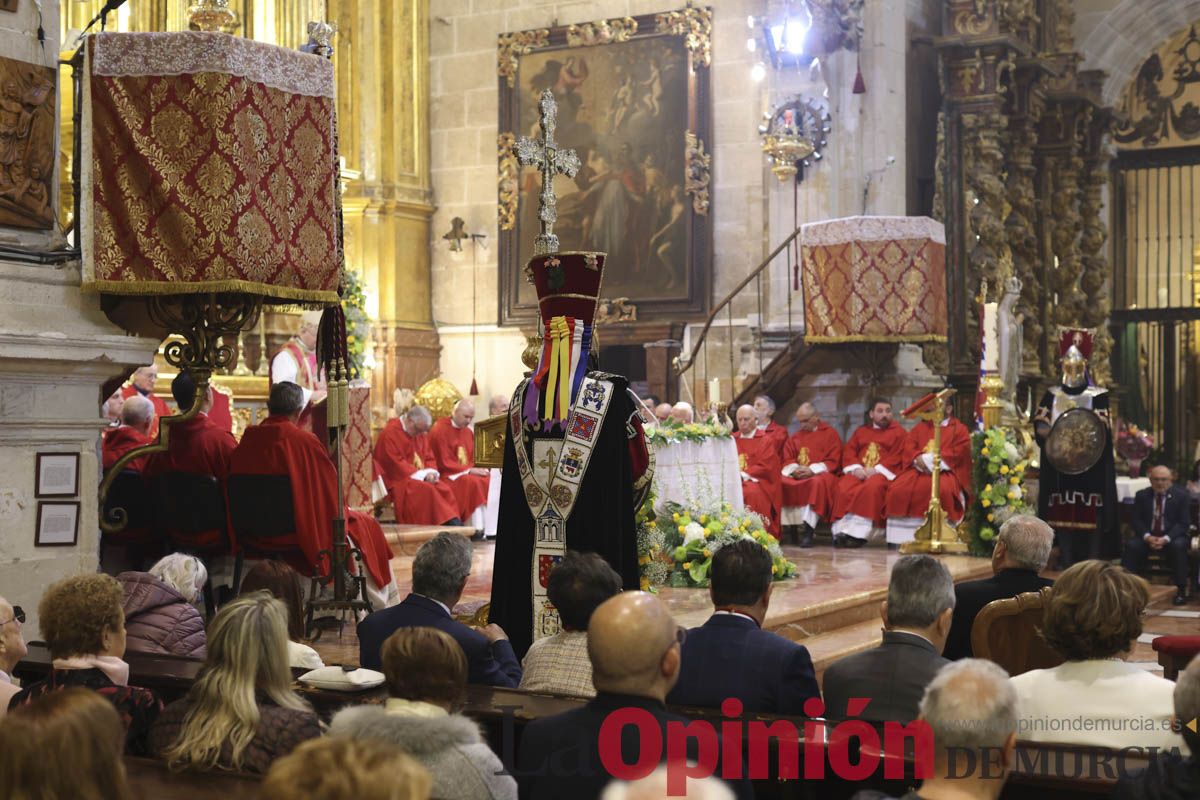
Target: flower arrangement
[1134,445]
[998,487]
[358,324]
[671,432]
[679,553]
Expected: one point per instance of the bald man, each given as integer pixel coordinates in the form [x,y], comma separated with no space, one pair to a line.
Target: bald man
[662,412]
[758,462]
[635,649]
[683,413]
[452,440]
[498,405]
[137,418]
[812,457]
[142,382]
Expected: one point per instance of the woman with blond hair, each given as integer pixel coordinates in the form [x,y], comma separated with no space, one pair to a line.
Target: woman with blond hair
[1092,619]
[426,674]
[346,769]
[160,607]
[241,712]
[84,628]
[64,746]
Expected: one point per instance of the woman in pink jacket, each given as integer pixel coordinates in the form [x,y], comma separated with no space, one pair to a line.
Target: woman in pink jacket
[160,612]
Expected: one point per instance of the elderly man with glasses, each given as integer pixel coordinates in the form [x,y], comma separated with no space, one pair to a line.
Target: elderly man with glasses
[12,650]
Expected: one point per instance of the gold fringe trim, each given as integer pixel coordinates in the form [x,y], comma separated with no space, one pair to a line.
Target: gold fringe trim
[148,288]
[1072,525]
[882,339]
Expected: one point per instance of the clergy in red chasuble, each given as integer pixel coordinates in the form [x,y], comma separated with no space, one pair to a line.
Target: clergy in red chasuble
[142,383]
[871,460]
[278,446]
[453,443]
[197,446]
[764,411]
[908,496]
[296,362]
[759,464]
[137,417]
[403,456]
[812,457]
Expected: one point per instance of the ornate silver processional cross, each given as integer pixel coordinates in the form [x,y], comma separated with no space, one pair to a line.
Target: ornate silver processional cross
[545,154]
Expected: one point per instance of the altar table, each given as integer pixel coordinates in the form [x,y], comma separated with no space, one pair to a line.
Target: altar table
[696,474]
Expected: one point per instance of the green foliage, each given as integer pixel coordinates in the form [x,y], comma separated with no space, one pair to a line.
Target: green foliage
[358,324]
[671,432]
[997,486]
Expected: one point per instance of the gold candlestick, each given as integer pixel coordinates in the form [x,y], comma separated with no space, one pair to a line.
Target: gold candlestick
[935,534]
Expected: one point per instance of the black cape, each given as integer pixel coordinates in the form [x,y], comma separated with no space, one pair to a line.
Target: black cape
[602,520]
[1105,540]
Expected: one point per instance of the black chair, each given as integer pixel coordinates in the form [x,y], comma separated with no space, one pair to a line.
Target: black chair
[139,536]
[188,507]
[260,509]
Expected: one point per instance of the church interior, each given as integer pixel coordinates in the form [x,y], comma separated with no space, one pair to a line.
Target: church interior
[375,300]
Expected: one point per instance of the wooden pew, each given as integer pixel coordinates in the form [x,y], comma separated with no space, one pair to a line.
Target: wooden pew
[170,677]
[149,779]
[1042,770]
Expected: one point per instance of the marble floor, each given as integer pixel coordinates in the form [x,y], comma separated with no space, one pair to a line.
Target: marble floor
[832,605]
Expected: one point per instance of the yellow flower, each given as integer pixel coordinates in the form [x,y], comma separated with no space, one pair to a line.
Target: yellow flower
[987,488]
[985,502]
[1012,495]
[682,529]
[1004,469]
[675,517]
[1014,480]
[644,584]
[991,517]
[687,565]
[651,524]
[643,560]
[707,533]
[707,553]
[704,519]
[985,452]
[774,569]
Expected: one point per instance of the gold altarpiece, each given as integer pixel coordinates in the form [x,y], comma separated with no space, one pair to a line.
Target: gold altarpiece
[381,60]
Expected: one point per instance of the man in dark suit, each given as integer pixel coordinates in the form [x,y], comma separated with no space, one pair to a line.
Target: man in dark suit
[440,572]
[893,676]
[1161,518]
[634,646]
[731,656]
[1021,551]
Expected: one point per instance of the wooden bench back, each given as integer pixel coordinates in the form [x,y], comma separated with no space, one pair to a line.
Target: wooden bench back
[149,779]
[1007,632]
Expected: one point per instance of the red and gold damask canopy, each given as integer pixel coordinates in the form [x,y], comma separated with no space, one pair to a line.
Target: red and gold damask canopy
[874,279]
[209,165]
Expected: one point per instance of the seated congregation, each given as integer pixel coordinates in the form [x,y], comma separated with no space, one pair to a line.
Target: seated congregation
[436,730]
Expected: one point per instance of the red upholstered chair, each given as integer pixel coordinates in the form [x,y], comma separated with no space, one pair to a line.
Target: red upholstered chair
[1175,653]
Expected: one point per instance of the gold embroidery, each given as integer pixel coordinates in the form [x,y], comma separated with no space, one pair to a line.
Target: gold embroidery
[742,461]
[871,457]
[462,455]
[802,457]
[417,462]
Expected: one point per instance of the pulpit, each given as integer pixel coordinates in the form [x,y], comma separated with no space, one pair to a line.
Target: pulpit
[874,279]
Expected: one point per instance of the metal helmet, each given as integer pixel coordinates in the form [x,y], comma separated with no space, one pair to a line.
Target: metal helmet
[1074,367]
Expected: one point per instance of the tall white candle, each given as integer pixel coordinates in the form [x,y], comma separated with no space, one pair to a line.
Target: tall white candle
[714,390]
[991,345]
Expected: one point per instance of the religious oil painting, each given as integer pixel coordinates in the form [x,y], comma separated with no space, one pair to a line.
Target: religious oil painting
[27,132]
[631,98]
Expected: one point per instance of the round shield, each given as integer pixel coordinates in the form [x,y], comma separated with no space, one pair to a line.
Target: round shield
[1076,441]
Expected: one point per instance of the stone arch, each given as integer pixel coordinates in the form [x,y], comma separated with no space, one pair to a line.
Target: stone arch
[1128,34]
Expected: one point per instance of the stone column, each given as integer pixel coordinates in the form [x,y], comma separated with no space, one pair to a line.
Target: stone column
[383,107]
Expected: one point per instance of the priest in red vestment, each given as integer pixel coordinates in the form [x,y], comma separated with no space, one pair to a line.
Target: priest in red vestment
[871,460]
[811,460]
[296,362]
[197,446]
[137,416]
[452,441]
[405,460]
[277,446]
[760,469]
[764,412]
[908,496]
[142,383]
